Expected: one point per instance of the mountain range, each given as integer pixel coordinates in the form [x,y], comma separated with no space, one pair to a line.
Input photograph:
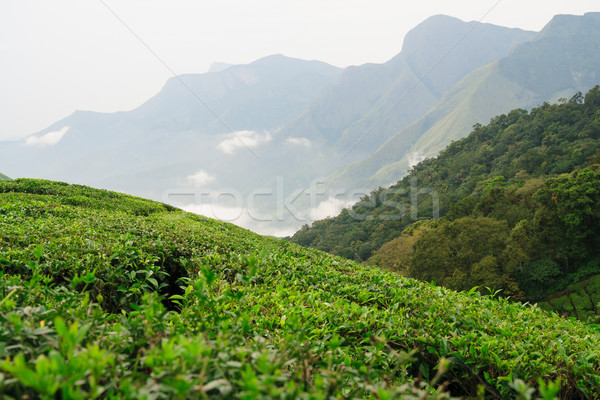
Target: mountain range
[253,143]
[194,122]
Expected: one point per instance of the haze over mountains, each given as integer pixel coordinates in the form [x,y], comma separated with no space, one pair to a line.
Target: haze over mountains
[244,140]
[177,132]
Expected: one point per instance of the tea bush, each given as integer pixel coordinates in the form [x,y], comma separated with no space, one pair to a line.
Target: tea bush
[104,295]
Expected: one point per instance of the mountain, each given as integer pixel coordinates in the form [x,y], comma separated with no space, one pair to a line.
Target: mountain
[176,133]
[4,177]
[241,141]
[111,296]
[372,102]
[218,66]
[563,59]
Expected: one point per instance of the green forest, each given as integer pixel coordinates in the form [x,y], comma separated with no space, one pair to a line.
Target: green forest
[518,201]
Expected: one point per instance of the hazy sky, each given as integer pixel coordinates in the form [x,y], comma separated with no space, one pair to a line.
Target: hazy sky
[61,55]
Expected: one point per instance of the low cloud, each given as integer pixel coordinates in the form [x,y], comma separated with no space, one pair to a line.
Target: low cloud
[217,211]
[244,218]
[48,139]
[283,219]
[301,141]
[330,207]
[414,158]
[200,178]
[242,139]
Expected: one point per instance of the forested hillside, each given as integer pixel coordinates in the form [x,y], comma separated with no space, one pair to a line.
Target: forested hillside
[511,221]
[104,295]
[3,177]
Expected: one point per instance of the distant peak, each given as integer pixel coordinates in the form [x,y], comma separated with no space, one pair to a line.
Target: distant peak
[437,21]
[567,24]
[283,61]
[218,66]
[443,29]
[276,58]
[440,17]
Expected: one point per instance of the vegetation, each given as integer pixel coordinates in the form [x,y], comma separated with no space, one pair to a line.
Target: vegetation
[580,299]
[104,295]
[519,200]
[4,177]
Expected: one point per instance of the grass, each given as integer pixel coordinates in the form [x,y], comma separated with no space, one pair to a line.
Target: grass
[104,295]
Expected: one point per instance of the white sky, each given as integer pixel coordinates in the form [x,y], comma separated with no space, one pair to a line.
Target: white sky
[61,55]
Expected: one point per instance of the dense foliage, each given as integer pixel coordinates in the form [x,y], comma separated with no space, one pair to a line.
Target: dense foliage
[530,239]
[511,221]
[104,295]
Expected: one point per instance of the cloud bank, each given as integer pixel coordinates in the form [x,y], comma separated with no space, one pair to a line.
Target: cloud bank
[301,141]
[200,178]
[242,139]
[48,139]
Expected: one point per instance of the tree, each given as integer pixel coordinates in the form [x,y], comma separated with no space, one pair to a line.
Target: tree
[396,255]
[570,203]
[592,98]
[461,254]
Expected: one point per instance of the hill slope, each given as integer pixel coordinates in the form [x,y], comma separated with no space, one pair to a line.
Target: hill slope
[4,177]
[108,295]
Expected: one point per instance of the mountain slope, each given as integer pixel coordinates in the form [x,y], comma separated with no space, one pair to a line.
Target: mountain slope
[372,102]
[4,177]
[123,297]
[507,171]
[562,60]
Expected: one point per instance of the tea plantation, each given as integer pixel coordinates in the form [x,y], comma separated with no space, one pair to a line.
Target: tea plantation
[104,295]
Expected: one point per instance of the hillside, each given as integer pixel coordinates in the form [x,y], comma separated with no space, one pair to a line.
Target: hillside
[560,61]
[4,177]
[502,170]
[105,295]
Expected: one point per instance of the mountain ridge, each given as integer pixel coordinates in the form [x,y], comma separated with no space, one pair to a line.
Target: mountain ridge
[410,71]
[492,89]
[110,149]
